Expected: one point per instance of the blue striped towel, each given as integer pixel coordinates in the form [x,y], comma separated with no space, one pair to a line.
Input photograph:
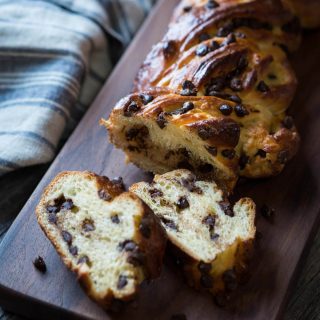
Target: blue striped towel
[54,58]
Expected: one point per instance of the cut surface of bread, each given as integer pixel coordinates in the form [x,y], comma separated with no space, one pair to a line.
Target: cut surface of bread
[109,237]
[214,238]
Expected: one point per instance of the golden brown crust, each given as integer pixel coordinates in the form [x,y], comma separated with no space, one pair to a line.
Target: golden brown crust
[150,237]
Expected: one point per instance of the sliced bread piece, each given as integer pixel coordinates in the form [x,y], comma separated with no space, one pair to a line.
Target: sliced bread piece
[214,239]
[108,237]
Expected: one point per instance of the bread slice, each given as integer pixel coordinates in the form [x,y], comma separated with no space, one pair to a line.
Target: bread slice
[214,239]
[108,237]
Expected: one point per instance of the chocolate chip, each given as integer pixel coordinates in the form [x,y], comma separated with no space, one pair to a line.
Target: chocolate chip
[223,31]
[243,161]
[127,245]
[230,280]
[216,84]
[187,106]
[183,203]
[161,120]
[144,228]
[214,236]
[188,89]
[272,76]
[67,237]
[169,49]
[184,165]
[52,209]
[226,208]
[263,87]
[242,64]
[202,50]
[189,184]
[206,281]
[241,110]
[236,84]
[178,316]
[155,193]
[235,98]
[67,205]
[204,132]
[288,122]
[205,168]
[52,218]
[228,153]
[104,195]
[187,8]
[204,37]
[84,259]
[115,219]
[136,258]
[225,109]
[73,250]
[40,264]
[229,39]
[131,109]
[204,267]
[88,225]
[209,221]
[267,212]
[118,181]
[212,150]
[122,282]
[169,223]
[214,45]
[146,98]
[211,4]
[261,153]
[283,156]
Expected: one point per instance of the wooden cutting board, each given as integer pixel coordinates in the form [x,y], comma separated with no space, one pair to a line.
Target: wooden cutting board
[295,196]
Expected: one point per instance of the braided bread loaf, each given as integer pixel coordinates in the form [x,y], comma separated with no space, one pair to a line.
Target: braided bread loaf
[212,95]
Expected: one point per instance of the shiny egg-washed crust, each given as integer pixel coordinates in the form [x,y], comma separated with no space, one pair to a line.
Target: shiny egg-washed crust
[152,248]
[308,11]
[234,55]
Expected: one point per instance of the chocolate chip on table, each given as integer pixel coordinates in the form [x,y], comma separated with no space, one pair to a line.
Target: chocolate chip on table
[103,195]
[67,205]
[40,264]
[144,229]
[204,37]
[209,221]
[225,109]
[178,316]
[161,120]
[146,98]
[88,225]
[202,50]
[206,281]
[73,250]
[267,212]
[241,110]
[287,122]
[52,218]
[169,49]
[243,161]
[236,84]
[67,237]
[229,39]
[131,109]
[226,208]
[188,89]
[115,219]
[187,8]
[283,156]
[262,87]
[228,153]
[183,203]
[211,4]
[212,150]
[204,267]
[155,193]
[122,282]
[84,259]
[214,236]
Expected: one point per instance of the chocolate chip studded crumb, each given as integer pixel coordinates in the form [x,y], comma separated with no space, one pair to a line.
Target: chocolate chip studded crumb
[188,89]
[84,259]
[73,250]
[88,225]
[183,203]
[67,237]
[212,150]
[104,195]
[178,316]
[115,219]
[155,193]
[206,281]
[230,280]
[204,267]
[169,49]
[228,153]
[267,212]
[144,228]
[226,208]
[161,120]
[287,122]
[225,109]
[131,109]
[122,282]
[40,264]
[146,98]
[202,50]
[212,4]
[262,87]
[241,110]
[283,156]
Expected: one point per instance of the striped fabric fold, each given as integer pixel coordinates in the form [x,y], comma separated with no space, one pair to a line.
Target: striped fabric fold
[54,57]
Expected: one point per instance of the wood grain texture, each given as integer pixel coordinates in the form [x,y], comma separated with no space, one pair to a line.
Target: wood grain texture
[294,194]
